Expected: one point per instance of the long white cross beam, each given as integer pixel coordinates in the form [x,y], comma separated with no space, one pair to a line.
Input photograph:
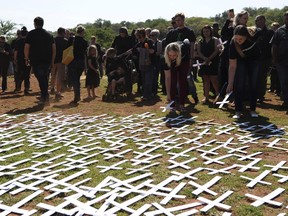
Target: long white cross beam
[258,179]
[225,100]
[205,187]
[267,199]
[142,196]
[111,167]
[178,208]
[16,207]
[216,160]
[277,166]
[249,166]
[283,178]
[181,164]
[216,202]
[141,169]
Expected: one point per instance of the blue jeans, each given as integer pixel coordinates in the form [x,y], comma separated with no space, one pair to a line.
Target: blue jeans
[42,73]
[250,69]
[147,81]
[75,70]
[282,69]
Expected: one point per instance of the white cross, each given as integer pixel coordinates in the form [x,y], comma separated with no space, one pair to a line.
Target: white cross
[267,199]
[188,174]
[168,107]
[225,100]
[16,207]
[198,64]
[249,166]
[111,167]
[258,179]
[216,160]
[277,167]
[283,178]
[221,44]
[216,202]
[205,187]
[142,169]
[178,208]
[181,164]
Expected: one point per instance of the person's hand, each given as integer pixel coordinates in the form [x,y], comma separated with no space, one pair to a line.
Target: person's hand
[231,14]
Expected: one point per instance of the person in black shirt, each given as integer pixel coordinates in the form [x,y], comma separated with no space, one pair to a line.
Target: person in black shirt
[5,52]
[243,62]
[40,53]
[123,42]
[77,66]
[280,56]
[22,70]
[264,36]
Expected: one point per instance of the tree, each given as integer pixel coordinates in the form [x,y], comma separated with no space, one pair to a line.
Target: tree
[6,28]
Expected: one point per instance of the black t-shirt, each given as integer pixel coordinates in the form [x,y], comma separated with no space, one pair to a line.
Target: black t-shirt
[19,47]
[40,42]
[122,44]
[113,64]
[80,47]
[249,48]
[61,44]
[180,35]
[4,59]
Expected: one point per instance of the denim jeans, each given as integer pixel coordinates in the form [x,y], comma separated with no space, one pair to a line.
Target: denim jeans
[246,69]
[42,74]
[75,70]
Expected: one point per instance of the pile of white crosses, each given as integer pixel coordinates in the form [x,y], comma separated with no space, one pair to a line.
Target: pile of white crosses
[70,165]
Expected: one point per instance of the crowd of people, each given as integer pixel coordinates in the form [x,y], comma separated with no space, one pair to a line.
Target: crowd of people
[235,58]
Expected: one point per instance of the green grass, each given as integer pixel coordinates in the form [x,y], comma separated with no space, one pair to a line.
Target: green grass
[240,204]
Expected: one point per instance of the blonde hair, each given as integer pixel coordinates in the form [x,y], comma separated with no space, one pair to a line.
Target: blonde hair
[110,53]
[90,48]
[175,47]
[238,17]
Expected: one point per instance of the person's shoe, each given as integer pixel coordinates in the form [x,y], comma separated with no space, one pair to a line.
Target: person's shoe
[284,105]
[196,100]
[237,115]
[26,93]
[204,100]
[182,108]
[58,96]
[253,114]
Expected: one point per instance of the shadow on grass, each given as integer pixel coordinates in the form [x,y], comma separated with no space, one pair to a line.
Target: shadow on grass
[27,110]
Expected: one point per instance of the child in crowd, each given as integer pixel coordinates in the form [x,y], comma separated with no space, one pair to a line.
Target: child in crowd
[92,76]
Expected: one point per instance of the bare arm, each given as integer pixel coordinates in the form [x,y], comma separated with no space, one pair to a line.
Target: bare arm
[53,54]
[231,74]
[91,65]
[26,53]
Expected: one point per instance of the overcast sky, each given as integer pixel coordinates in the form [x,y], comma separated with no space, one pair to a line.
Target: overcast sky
[69,13]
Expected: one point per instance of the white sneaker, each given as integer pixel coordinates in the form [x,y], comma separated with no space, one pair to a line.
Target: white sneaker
[253,114]
[237,115]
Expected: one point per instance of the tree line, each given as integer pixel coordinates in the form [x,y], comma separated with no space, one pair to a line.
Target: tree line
[105,31]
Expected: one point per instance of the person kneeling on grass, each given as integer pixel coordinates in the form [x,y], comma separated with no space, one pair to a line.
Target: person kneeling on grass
[116,77]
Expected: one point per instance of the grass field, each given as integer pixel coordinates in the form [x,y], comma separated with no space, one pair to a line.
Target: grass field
[105,143]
